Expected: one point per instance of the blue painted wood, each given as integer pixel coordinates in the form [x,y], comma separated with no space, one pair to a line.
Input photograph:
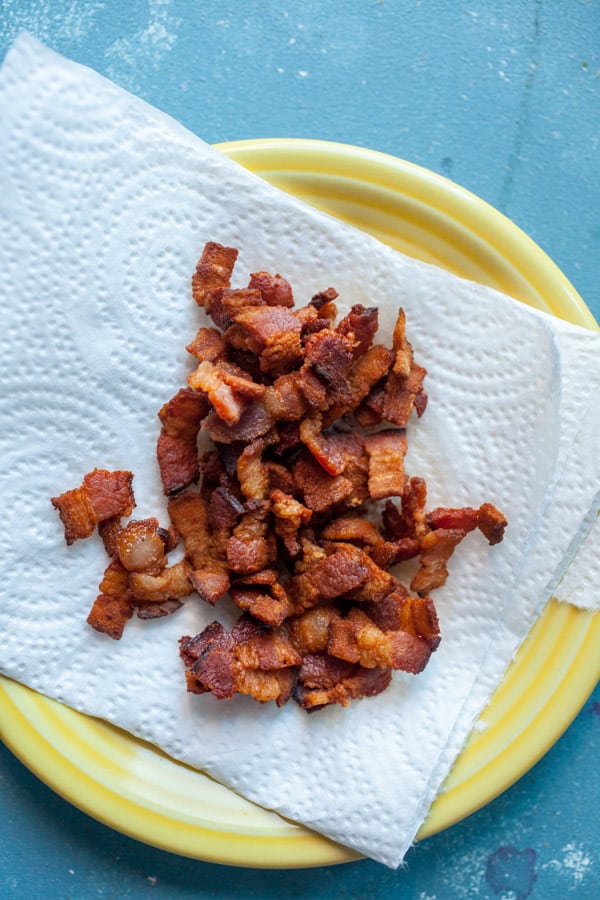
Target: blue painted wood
[504,98]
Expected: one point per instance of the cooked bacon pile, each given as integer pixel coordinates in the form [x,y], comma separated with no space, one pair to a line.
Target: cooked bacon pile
[308,418]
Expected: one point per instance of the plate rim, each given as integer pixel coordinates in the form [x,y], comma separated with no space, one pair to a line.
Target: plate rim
[318,850]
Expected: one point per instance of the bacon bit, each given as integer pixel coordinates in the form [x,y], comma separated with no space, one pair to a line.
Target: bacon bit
[345,570]
[290,515]
[324,451]
[360,325]
[102,496]
[252,472]
[271,608]
[247,660]
[253,422]
[324,298]
[113,607]
[275,290]
[224,509]
[227,393]
[207,345]
[442,517]
[352,528]
[356,638]
[330,355]
[491,523]
[140,547]
[436,549]
[309,632]
[171,584]
[325,680]
[273,333]
[212,582]
[177,450]
[159,609]
[234,301]
[213,271]
[414,499]
[386,451]
[321,492]
[399,611]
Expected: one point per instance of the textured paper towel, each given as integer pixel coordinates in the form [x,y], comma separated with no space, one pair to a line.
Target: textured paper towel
[107,204]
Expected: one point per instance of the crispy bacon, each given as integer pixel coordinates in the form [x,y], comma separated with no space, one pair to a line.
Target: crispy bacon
[172,583]
[213,270]
[177,450]
[113,606]
[284,517]
[275,289]
[491,522]
[247,660]
[386,451]
[324,680]
[140,546]
[357,639]
[436,549]
[102,495]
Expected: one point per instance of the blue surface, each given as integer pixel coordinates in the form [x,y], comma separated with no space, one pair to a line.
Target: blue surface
[504,98]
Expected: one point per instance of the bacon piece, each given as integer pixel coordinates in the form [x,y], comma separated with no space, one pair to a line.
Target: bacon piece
[171,584]
[356,638]
[399,611]
[443,517]
[360,325]
[345,570]
[289,515]
[177,450]
[208,575]
[224,509]
[189,515]
[252,473]
[273,333]
[102,495]
[352,528]
[253,422]
[378,583]
[309,632]
[386,451]
[227,392]
[275,289]
[323,680]
[414,499]
[113,606]
[436,549]
[330,355]
[251,547]
[208,344]
[321,492]
[270,606]
[491,522]
[324,451]
[248,660]
[234,301]
[213,270]
[324,298]
[141,547]
[109,531]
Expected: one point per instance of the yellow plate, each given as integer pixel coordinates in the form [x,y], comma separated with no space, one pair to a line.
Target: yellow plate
[136,789]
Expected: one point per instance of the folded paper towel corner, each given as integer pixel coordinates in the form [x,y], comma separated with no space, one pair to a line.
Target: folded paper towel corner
[107,203]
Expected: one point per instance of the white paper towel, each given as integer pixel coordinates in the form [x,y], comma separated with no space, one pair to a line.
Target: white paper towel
[107,204]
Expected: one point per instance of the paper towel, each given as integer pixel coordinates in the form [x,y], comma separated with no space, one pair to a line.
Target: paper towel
[107,204]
